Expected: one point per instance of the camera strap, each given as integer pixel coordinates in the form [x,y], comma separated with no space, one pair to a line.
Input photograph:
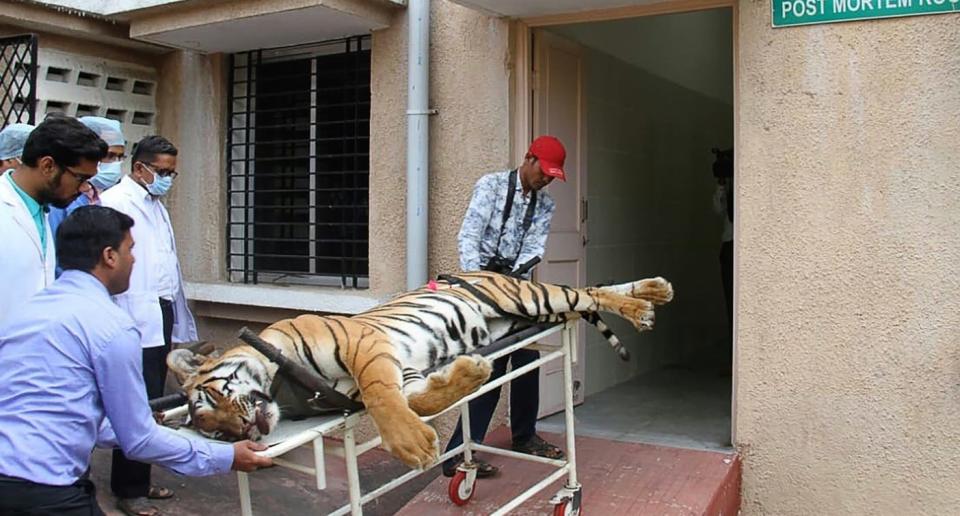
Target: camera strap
[508,208]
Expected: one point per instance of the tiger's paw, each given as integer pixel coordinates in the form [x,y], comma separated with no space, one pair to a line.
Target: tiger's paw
[468,373]
[444,388]
[656,290]
[410,440]
[640,314]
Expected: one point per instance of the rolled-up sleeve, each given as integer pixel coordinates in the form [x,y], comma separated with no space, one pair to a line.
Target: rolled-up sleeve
[118,371]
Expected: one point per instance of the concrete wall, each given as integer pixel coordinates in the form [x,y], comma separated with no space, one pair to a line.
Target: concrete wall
[469,86]
[192,115]
[848,257]
[650,188]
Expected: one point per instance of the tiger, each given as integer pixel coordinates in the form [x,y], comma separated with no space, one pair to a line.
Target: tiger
[376,357]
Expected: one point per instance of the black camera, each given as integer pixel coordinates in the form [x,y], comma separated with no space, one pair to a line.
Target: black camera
[499,265]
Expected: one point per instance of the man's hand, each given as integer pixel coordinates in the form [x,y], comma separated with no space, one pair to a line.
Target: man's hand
[245,458]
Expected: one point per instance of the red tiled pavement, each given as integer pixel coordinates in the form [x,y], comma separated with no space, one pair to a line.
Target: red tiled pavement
[617,478]
[275,491]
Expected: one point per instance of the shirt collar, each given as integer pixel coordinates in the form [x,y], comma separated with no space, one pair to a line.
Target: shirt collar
[138,192]
[33,206]
[83,279]
[519,187]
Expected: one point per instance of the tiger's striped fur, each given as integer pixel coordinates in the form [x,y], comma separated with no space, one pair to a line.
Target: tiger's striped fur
[377,356]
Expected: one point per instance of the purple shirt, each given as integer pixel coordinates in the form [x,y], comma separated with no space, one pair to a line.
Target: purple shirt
[70,378]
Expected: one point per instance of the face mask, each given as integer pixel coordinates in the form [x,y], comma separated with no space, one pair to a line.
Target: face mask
[160,185]
[108,174]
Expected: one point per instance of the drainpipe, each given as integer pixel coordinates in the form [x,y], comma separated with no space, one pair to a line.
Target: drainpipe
[418,153]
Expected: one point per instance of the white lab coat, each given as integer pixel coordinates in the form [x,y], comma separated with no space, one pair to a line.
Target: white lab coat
[141,300]
[24,270]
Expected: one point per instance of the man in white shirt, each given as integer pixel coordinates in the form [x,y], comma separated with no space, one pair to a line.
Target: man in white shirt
[155,299]
[59,157]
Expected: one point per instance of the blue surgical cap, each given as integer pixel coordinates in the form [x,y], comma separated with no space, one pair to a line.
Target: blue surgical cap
[12,139]
[107,129]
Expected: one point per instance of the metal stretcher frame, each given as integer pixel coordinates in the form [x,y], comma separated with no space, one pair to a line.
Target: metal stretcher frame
[294,434]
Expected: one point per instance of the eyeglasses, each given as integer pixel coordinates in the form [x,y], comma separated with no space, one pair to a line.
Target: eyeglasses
[172,174]
[81,178]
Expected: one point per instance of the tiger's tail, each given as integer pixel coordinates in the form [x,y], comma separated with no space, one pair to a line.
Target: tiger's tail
[594,319]
[615,343]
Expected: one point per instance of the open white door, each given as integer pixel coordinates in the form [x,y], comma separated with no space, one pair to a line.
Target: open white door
[559,110]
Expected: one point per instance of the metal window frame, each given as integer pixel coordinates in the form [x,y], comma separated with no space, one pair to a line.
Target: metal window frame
[15,104]
[242,227]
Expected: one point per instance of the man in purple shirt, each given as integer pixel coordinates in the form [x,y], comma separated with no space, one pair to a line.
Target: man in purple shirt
[70,379]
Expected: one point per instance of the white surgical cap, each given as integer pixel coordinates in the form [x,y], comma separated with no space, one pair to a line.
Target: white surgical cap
[107,129]
[12,139]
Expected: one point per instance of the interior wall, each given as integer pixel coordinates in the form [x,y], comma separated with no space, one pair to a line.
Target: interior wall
[650,190]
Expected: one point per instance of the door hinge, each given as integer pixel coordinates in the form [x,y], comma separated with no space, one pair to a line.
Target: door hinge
[584,209]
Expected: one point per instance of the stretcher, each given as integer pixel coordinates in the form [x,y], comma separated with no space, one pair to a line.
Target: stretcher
[289,435]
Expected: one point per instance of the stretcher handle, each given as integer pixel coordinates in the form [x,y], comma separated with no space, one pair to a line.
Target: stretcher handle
[521,270]
[167,402]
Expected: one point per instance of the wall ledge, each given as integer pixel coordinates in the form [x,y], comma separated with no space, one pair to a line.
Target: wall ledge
[293,297]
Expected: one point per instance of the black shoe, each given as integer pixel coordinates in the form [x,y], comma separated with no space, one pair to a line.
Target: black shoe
[484,469]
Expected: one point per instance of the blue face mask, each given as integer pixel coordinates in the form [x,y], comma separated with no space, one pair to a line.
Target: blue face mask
[160,185]
[108,174]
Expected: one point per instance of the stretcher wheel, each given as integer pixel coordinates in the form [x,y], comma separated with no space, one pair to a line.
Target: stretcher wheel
[461,489]
[565,508]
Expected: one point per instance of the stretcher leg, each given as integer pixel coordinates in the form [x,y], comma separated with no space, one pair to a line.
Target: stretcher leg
[462,485]
[353,475]
[243,482]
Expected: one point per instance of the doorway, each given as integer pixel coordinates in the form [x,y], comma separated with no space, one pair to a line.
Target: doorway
[643,102]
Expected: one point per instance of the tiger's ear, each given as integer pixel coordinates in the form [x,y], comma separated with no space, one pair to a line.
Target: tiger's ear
[184,363]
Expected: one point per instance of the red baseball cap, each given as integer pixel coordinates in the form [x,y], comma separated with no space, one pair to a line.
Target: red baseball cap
[551,154]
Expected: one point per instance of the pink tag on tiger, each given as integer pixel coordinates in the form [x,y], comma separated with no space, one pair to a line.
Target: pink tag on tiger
[432,285]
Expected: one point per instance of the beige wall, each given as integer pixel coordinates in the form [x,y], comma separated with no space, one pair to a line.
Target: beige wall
[191,114]
[649,161]
[848,253]
[469,86]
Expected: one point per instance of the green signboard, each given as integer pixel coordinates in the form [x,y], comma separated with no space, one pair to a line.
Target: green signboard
[806,12]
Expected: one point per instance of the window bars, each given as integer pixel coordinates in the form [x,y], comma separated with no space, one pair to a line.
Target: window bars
[298,164]
[18,79]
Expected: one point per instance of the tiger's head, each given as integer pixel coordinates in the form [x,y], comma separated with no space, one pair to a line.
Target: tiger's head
[227,396]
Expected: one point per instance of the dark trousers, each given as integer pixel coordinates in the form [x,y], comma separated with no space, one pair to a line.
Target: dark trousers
[726,273]
[128,478]
[524,401]
[20,497]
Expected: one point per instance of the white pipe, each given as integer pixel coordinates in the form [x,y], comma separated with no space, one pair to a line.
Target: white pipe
[418,150]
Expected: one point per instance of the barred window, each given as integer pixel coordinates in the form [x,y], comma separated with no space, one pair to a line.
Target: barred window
[298,164]
[18,79]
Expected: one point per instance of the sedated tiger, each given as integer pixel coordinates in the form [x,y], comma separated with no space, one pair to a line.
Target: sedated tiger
[376,357]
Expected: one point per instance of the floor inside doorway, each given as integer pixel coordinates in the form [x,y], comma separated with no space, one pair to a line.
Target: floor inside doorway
[669,407]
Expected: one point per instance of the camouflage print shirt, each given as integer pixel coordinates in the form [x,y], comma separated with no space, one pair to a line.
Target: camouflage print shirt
[482,224]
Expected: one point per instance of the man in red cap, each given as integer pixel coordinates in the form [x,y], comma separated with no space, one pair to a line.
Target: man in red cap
[505,227]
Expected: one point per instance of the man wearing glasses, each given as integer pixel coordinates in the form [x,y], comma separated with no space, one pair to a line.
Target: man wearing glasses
[109,170]
[59,158]
[155,299]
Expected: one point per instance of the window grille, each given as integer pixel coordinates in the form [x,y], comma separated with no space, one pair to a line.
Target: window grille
[298,164]
[18,79]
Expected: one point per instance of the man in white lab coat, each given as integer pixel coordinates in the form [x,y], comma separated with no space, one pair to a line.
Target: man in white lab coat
[58,159]
[155,299]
